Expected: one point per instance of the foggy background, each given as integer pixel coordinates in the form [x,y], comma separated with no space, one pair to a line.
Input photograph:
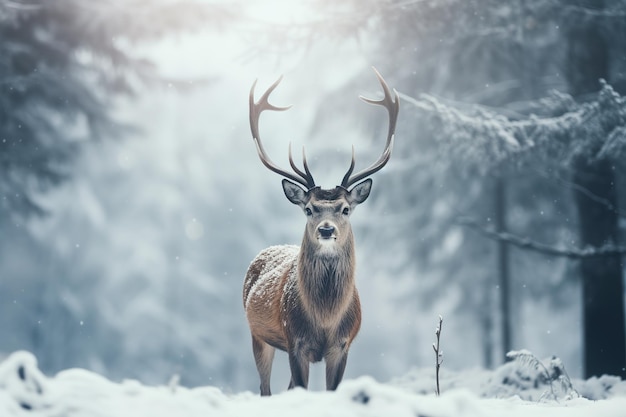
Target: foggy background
[133,200]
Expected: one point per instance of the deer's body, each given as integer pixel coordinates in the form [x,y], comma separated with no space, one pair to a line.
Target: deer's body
[311,321]
[303,300]
[279,301]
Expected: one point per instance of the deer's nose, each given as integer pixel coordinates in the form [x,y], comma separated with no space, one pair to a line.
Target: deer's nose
[326,232]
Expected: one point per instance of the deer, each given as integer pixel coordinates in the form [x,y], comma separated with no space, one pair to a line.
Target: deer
[303,300]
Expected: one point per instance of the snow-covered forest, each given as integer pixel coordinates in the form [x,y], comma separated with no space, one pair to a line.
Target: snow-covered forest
[132,199]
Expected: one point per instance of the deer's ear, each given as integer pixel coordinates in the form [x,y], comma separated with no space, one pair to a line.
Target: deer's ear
[360,192]
[294,193]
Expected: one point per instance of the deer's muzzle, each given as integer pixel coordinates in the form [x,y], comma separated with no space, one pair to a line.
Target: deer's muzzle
[326,231]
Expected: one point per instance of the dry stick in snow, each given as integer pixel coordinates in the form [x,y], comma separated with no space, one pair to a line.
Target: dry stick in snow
[438,354]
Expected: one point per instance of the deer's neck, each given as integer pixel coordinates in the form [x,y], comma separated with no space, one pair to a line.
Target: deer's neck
[326,279]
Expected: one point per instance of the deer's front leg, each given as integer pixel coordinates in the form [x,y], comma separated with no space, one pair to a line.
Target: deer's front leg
[336,358]
[299,364]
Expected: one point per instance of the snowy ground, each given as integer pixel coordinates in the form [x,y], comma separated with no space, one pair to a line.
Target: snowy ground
[515,389]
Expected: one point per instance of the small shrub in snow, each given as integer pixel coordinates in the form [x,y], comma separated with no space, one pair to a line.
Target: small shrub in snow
[530,372]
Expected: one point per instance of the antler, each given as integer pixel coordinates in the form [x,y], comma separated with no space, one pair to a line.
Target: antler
[392,104]
[305,178]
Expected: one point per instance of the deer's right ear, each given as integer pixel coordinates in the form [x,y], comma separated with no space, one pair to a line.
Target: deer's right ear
[294,193]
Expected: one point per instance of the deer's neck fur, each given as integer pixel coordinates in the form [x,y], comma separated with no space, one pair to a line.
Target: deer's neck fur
[325,280]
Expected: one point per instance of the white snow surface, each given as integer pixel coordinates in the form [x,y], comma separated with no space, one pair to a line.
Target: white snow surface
[25,391]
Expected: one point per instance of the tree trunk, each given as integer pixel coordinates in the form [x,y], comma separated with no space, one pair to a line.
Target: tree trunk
[602,285]
[502,255]
[603,291]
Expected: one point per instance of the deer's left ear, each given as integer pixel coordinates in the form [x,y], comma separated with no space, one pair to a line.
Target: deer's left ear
[360,192]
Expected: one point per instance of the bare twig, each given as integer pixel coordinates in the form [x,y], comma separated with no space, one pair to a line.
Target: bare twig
[438,354]
[525,243]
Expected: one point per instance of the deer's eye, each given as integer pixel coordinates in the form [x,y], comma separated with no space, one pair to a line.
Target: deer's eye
[346,211]
[308,211]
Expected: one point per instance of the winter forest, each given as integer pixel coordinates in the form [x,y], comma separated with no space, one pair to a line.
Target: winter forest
[132,199]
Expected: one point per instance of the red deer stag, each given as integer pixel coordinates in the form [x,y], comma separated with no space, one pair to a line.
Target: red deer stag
[303,300]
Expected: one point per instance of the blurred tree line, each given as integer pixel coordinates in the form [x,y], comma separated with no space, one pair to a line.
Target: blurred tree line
[64,67]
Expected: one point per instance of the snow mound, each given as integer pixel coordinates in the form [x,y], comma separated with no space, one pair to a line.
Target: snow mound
[22,383]
[25,391]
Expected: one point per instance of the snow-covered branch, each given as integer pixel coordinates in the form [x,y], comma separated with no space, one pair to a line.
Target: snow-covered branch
[526,243]
[484,139]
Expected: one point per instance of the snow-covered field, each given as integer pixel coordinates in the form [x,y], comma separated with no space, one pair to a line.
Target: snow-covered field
[515,389]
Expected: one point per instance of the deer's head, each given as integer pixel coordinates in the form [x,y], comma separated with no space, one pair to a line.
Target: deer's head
[327,211]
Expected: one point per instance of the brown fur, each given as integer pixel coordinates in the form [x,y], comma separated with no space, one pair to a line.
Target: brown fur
[304,300]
